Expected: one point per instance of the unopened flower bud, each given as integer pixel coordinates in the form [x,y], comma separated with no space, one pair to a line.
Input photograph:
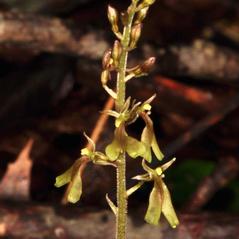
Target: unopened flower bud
[148,64]
[124,18]
[106,60]
[117,50]
[135,34]
[149,2]
[145,3]
[141,15]
[105,76]
[113,18]
[144,68]
[137,71]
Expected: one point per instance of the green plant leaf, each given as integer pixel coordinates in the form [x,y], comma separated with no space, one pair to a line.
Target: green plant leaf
[64,178]
[113,150]
[167,207]
[135,148]
[159,155]
[153,213]
[76,188]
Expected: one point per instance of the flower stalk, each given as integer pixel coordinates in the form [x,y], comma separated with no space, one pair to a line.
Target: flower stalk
[126,112]
[121,216]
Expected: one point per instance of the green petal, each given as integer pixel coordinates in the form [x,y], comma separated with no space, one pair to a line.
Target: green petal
[143,177]
[134,188]
[90,141]
[147,155]
[76,188]
[159,155]
[64,178]
[147,136]
[111,204]
[111,113]
[168,164]
[135,148]
[167,207]
[101,159]
[155,207]
[113,150]
[149,100]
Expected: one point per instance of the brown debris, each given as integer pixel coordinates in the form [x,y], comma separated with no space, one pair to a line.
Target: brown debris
[36,34]
[226,170]
[42,34]
[15,184]
[27,221]
[202,125]
[201,60]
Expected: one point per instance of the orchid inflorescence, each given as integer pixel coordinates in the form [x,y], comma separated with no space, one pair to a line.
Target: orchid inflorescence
[126,112]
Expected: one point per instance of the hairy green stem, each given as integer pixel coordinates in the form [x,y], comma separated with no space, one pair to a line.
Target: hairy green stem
[121,199]
[121,219]
[123,59]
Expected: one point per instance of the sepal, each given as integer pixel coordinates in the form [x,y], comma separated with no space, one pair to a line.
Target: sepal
[167,207]
[148,137]
[64,178]
[134,188]
[111,204]
[75,191]
[154,210]
[113,150]
[72,176]
[135,148]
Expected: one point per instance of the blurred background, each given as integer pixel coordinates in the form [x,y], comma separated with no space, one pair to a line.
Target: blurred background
[50,93]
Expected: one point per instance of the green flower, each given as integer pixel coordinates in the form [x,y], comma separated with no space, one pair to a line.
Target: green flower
[123,142]
[130,111]
[73,175]
[159,199]
[149,140]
